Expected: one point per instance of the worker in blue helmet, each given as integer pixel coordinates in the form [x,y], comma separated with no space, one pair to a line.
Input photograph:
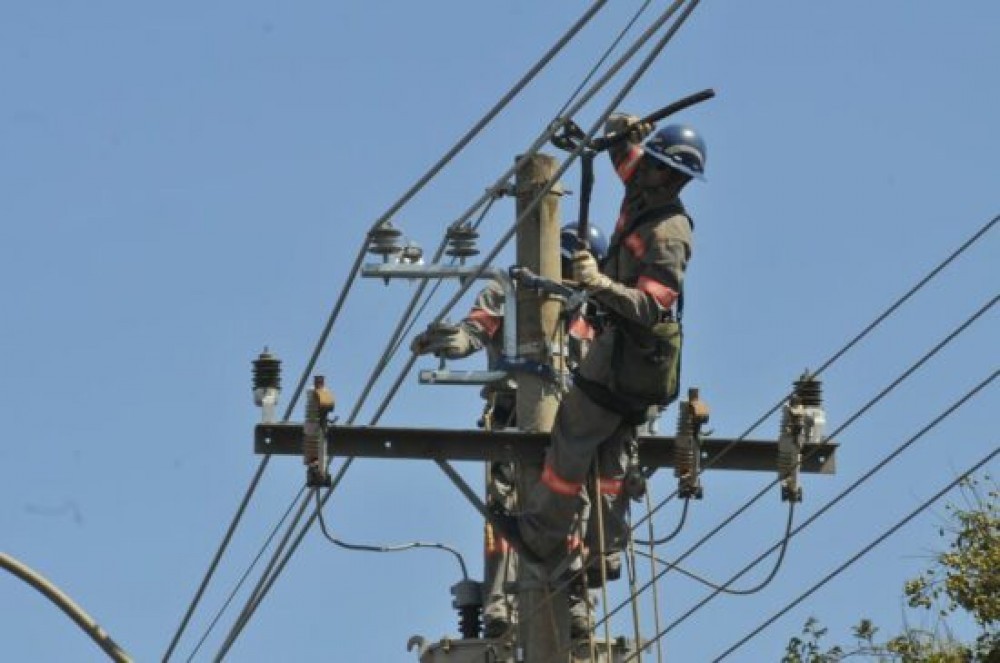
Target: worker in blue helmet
[482,329]
[633,363]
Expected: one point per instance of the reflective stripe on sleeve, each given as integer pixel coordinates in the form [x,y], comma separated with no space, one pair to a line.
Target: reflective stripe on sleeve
[663,295]
[558,485]
[611,487]
[581,329]
[630,162]
[490,323]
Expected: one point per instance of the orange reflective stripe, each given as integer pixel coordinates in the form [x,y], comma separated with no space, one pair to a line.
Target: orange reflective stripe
[611,487]
[581,329]
[630,162]
[636,245]
[663,295]
[574,543]
[558,485]
[489,322]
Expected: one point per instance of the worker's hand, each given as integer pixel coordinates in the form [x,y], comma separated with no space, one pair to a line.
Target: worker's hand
[443,340]
[637,130]
[586,272]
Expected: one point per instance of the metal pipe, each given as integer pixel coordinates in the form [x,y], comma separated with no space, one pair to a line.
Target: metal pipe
[395,270]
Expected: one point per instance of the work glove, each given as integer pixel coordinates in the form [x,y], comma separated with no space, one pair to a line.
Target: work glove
[587,273]
[444,340]
[637,130]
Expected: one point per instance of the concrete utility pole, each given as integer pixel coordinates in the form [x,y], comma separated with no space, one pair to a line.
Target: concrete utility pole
[543,611]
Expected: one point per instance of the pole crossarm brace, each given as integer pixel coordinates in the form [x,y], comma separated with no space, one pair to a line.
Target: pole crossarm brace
[479,445]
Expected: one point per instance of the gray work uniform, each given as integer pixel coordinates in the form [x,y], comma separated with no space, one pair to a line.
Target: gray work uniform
[484,324]
[646,262]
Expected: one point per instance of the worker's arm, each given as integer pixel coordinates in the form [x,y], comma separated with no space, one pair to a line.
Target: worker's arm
[663,249]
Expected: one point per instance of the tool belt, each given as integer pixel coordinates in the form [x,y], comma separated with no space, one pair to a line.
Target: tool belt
[645,369]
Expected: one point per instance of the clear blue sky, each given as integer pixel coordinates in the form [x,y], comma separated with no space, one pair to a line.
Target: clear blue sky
[181,184]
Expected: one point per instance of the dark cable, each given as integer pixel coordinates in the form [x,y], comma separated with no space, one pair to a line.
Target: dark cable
[725,588]
[844,493]
[384,549]
[250,607]
[243,578]
[604,57]
[871,403]
[677,529]
[854,341]
[349,281]
[861,553]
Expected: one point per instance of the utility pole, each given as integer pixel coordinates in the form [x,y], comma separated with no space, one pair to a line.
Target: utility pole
[542,605]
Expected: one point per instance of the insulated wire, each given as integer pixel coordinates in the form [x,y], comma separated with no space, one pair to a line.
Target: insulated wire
[335,312]
[652,570]
[844,493]
[385,549]
[651,542]
[251,606]
[871,403]
[861,553]
[725,588]
[243,578]
[842,351]
[600,62]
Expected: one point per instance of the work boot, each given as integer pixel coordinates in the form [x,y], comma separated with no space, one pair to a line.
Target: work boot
[612,564]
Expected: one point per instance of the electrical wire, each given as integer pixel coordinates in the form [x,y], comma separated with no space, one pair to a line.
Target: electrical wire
[607,53]
[850,421]
[243,578]
[783,548]
[250,607]
[840,496]
[673,534]
[341,298]
[849,345]
[861,553]
[385,549]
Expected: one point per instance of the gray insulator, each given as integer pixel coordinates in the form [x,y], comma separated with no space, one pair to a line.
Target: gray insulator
[809,390]
[266,371]
[462,241]
[385,240]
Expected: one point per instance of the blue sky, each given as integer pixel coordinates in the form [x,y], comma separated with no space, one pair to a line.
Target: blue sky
[183,184]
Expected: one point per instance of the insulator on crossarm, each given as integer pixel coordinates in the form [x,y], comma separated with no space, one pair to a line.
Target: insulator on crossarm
[319,404]
[462,242]
[809,391]
[266,384]
[802,422]
[468,600]
[385,240]
[691,414]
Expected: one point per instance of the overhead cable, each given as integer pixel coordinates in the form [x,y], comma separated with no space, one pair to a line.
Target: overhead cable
[352,275]
[843,350]
[871,403]
[834,501]
[250,607]
[861,553]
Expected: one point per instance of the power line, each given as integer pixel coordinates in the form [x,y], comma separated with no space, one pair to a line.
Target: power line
[844,493]
[861,553]
[335,312]
[871,403]
[848,346]
[255,600]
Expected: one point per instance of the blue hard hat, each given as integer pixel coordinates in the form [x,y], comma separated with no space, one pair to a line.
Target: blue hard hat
[680,147]
[569,241]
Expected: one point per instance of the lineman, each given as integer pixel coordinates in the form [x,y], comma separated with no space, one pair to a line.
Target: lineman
[634,362]
[483,328]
